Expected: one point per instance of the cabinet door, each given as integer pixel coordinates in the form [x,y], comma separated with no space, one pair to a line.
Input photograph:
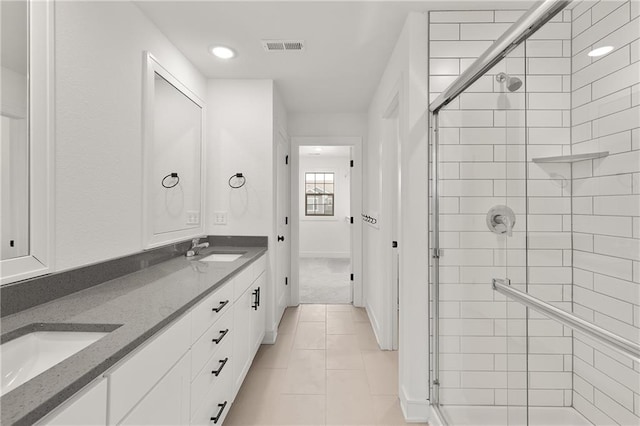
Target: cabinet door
[241,338]
[88,407]
[138,374]
[258,315]
[168,402]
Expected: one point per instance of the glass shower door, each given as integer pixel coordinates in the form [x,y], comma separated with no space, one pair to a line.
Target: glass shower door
[480,369]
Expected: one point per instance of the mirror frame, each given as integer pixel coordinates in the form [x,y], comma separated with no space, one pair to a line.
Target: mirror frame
[151,66]
[39,261]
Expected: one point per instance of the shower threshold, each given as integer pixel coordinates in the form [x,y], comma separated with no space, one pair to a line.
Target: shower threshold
[466,415]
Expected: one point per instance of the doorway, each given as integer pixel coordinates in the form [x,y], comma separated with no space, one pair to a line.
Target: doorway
[324,223]
[326,240]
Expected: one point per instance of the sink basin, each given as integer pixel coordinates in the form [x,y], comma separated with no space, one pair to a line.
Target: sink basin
[222,257]
[25,357]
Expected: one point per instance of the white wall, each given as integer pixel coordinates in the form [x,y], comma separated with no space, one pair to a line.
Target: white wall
[98,191]
[242,120]
[326,124]
[406,72]
[240,139]
[326,236]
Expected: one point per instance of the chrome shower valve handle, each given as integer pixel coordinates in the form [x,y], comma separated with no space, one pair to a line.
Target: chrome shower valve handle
[501,220]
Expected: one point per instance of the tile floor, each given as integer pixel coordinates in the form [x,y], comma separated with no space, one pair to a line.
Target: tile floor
[325,368]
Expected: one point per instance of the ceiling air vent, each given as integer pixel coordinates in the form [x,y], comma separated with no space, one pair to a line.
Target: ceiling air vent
[282,45]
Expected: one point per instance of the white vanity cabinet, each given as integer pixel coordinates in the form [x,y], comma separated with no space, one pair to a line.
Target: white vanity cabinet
[249,318]
[211,369]
[258,316]
[190,372]
[168,402]
[87,407]
[132,380]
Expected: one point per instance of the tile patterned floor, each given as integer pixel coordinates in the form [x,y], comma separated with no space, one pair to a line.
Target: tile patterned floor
[325,369]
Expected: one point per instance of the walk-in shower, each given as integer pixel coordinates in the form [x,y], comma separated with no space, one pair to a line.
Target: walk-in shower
[535,214]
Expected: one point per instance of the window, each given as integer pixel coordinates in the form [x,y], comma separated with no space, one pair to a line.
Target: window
[319,187]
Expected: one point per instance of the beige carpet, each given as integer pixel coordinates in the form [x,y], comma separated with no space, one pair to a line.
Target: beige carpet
[325,280]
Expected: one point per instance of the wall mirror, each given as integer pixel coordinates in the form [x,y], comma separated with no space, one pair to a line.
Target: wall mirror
[173,145]
[26,178]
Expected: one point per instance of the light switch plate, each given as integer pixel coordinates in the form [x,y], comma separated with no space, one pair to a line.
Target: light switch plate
[219,218]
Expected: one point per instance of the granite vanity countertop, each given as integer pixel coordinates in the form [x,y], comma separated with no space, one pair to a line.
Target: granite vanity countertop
[141,303]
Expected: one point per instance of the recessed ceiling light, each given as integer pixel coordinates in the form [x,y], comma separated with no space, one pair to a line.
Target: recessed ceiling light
[222,52]
[318,149]
[600,51]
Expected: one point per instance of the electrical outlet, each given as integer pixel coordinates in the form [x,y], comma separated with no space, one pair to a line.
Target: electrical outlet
[193,217]
[219,218]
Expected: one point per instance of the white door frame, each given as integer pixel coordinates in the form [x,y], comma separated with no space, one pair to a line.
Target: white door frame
[392,209]
[356,206]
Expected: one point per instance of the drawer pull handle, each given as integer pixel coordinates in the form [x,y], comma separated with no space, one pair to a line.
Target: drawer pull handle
[223,362]
[221,336]
[222,305]
[217,416]
[256,300]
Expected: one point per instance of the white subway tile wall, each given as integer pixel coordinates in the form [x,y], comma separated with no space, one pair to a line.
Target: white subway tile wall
[606,207]
[484,162]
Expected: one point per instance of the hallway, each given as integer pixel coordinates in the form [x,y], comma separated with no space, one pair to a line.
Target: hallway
[325,368]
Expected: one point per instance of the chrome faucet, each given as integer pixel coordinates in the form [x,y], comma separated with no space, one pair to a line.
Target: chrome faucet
[195,247]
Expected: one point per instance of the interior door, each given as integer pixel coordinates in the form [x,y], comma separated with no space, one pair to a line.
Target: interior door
[283,214]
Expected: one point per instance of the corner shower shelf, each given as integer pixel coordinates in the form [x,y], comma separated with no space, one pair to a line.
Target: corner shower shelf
[571,158]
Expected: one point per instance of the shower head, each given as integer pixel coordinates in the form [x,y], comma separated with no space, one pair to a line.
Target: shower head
[513,83]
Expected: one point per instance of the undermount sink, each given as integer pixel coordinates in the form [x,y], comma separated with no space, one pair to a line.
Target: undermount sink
[222,257]
[26,356]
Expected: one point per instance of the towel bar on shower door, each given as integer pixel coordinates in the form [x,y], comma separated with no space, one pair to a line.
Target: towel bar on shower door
[618,343]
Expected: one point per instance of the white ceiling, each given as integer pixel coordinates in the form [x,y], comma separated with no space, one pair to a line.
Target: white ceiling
[348,44]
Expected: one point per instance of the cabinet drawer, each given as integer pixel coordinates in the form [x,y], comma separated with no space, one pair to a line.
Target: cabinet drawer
[131,380]
[211,309]
[214,372]
[209,343]
[258,267]
[217,404]
[242,281]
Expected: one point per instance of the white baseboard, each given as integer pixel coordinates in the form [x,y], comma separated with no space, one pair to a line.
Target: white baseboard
[375,325]
[270,337]
[329,254]
[416,411]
